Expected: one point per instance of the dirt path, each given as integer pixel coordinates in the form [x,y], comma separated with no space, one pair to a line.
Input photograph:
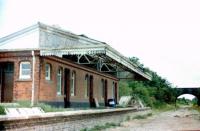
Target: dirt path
[182,119]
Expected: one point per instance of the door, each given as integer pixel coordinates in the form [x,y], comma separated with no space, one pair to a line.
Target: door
[91,99]
[6,81]
[116,93]
[67,88]
[106,93]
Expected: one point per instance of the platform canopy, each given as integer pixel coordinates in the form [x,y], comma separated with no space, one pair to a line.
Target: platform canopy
[54,41]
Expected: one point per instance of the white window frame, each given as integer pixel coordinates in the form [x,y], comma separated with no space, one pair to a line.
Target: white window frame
[73,79]
[21,76]
[59,75]
[113,89]
[48,77]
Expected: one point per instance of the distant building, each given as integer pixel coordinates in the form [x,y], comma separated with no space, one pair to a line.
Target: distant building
[44,63]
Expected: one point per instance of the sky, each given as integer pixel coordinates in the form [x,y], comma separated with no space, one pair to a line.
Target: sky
[164,35]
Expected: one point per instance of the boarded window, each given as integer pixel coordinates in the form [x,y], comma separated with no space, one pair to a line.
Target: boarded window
[25,70]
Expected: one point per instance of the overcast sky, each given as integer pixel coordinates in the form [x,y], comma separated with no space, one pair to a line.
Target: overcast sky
[164,35]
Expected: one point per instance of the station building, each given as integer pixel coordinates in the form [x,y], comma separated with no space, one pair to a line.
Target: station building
[43,63]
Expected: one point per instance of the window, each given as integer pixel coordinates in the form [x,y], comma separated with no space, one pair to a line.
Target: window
[113,89]
[86,85]
[47,71]
[25,70]
[73,79]
[59,81]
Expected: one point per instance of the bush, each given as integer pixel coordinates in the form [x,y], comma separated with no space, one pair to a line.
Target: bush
[124,89]
[2,110]
[143,94]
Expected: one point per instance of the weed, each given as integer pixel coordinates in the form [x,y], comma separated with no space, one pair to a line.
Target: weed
[128,118]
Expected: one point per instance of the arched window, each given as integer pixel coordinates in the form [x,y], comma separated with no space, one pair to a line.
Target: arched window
[59,81]
[86,85]
[73,83]
[47,71]
[25,70]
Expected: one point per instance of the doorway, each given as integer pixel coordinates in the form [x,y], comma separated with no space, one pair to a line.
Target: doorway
[6,81]
[91,99]
[106,93]
[67,88]
[115,93]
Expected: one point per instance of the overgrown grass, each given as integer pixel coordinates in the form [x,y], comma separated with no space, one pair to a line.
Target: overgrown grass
[49,108]
[101,127]
[24,103]
[142,116]
[27,104]
[128,118]
[162,106]
[196,107]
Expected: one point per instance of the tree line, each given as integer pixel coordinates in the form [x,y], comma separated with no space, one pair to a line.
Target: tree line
[154,93]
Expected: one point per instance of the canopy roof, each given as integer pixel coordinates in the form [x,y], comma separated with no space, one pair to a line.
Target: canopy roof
[54,41]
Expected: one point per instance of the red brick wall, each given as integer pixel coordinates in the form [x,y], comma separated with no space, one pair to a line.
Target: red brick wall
[46,90]
[21,88]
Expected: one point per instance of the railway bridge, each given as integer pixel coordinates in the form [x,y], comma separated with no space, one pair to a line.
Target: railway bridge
[189,90]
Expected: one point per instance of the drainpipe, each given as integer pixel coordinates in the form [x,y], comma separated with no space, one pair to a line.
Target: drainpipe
[33,79]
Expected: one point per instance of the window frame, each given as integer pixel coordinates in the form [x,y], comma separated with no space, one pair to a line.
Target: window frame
[113,89]
[48,72]
[73,84]
[60,80]
[21,76]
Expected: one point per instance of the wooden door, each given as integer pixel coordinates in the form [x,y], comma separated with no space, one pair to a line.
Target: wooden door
[67,88]
[91,98]
[6,81]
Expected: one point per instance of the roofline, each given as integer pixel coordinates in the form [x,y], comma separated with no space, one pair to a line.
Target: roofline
[106,47]
[19,33]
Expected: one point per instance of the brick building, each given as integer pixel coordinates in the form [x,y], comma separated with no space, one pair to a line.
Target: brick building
[44,63]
